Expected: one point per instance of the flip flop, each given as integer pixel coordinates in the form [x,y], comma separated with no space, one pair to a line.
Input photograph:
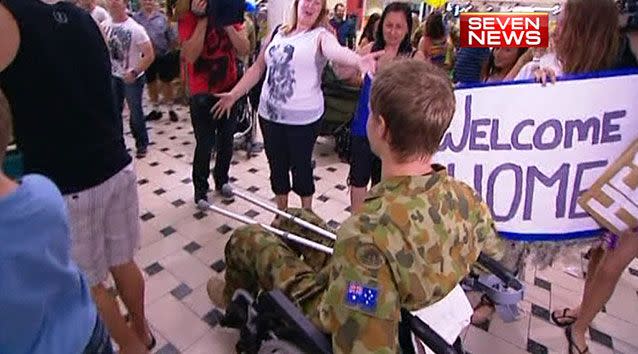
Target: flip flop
[153,343]
[560,320]
[572,345]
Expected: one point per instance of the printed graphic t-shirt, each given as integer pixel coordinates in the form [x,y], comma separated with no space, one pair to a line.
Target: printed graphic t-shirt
[124,40]
[291,93]
[215,71]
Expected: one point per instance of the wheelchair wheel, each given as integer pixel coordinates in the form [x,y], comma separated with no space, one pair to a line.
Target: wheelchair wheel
[278,346]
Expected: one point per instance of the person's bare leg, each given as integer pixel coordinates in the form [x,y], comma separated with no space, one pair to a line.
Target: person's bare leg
[595,256]
[357,197]
[603,284]
[282,201]
[306,203]
[130,286]
[153,92]
[114,321]
[168,93]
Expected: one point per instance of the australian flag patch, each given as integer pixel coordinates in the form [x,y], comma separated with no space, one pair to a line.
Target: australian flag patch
[362,297]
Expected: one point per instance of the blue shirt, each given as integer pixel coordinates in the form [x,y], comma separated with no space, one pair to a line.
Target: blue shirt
[360,119]
[45,304]
[469,62]
[158,29]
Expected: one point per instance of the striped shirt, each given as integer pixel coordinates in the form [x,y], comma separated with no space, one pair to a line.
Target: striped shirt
[469,62]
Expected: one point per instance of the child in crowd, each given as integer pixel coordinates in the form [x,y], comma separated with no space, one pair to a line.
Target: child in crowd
[45,301]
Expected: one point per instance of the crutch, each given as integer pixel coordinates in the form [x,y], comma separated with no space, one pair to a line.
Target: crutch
[283,234]
[227,189]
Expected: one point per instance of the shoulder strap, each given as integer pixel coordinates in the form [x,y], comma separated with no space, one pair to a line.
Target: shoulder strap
[274,33]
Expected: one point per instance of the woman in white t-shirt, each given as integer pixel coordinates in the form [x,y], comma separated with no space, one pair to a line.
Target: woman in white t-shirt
[292,102]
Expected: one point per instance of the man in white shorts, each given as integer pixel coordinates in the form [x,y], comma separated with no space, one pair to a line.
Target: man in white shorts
[69,132]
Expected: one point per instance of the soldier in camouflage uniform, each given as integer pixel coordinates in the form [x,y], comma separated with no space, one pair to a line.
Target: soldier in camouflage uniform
[417,236]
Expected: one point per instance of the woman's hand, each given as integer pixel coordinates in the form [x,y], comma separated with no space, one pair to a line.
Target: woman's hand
[368,63]
[542,74]
[224,105]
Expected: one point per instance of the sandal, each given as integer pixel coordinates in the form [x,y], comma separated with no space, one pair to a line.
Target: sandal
[485,302]
[153,343]
[563,320]
[572,345]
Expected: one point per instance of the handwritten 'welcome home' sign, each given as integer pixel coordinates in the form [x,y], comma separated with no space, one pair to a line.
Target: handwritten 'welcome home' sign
[531,151]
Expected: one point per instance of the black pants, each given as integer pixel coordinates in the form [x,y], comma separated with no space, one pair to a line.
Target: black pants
[289,150]
[364,164]
[208,132]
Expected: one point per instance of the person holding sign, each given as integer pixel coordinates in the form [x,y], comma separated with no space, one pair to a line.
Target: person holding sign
[393,37]
[584,28]
[583,24]
[612,202]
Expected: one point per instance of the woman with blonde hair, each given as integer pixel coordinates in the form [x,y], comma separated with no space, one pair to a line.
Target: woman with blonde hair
[292,102]
[588,39]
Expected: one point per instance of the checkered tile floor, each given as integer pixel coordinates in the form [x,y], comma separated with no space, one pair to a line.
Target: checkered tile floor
[182,247]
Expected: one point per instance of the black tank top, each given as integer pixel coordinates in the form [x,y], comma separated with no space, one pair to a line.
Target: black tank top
[59,89]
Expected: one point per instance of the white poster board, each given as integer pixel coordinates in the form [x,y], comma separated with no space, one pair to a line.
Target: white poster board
[530,151]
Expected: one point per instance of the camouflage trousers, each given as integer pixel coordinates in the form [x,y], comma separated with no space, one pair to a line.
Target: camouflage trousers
[259,260]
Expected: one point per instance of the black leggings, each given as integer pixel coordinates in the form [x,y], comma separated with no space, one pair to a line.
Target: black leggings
[289,150]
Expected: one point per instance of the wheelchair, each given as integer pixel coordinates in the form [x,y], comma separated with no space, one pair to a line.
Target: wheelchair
[271,323]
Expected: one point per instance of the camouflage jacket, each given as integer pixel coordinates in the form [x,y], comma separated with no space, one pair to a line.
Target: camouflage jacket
[416,238]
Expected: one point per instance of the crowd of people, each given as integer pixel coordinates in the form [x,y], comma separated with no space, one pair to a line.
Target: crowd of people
[78,201]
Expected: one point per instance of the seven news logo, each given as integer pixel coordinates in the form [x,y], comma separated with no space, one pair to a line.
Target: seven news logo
[513,30]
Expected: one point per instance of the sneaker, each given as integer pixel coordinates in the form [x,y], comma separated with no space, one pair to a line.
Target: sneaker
[215,289]
[173,116]
[141,152]
[199,198]
[226,195]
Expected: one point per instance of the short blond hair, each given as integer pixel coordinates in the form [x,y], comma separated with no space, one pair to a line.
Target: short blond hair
[5,125]
[416,100]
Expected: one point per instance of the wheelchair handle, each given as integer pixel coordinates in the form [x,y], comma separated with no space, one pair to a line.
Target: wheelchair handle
[426,334]
[501,272]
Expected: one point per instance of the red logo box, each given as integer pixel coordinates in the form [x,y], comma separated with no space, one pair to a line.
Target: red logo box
[510,30]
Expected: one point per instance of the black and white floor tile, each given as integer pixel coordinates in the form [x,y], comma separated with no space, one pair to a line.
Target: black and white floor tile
[183,247]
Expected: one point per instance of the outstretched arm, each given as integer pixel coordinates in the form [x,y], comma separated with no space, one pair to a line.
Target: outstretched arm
[247,82]
[332,50]
[351,73]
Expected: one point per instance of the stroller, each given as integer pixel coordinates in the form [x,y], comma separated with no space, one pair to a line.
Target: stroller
[247,120]
[340,104]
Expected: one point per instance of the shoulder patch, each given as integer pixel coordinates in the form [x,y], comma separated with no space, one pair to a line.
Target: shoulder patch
[369,256]
[362,297]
